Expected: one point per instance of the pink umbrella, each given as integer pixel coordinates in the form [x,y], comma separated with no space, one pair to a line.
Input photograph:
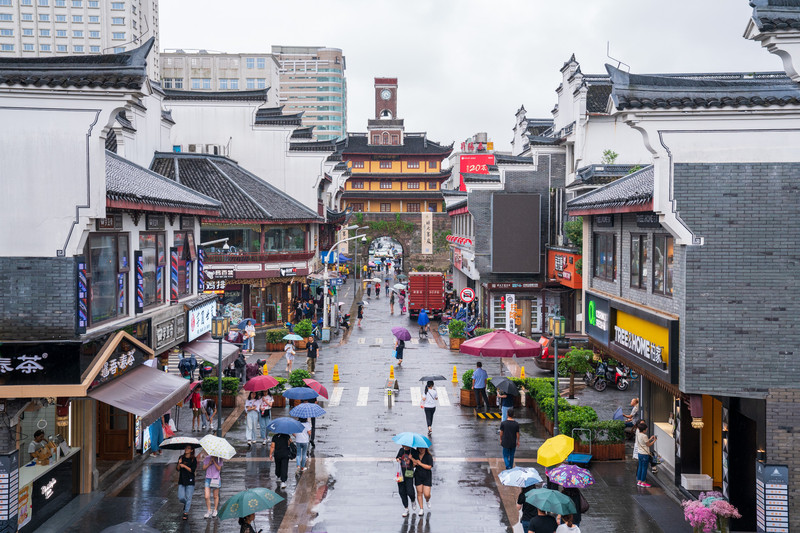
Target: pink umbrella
[317,387]
[501,343]
[260,383]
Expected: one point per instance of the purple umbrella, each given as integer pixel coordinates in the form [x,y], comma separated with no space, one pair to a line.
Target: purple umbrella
[401,333]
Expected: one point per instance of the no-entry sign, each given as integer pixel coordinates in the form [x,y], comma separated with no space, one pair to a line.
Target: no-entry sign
[467,295]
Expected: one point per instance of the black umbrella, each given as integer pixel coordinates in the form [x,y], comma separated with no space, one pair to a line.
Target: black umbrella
[437,377]
[506,386]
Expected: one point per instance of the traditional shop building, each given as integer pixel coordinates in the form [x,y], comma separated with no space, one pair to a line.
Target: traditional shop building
[262,246]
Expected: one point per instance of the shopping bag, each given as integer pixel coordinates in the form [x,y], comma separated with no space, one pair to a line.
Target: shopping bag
[398,476]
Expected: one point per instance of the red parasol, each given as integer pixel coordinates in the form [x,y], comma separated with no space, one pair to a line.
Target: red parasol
[260,383]
[501,343]
[317,387]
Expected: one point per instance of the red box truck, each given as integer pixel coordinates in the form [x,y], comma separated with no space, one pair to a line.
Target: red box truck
[425,291]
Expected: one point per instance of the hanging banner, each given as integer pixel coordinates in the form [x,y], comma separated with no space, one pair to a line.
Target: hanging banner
[139,261]
[82,318]
[173,274]
[201,260]
[427,233]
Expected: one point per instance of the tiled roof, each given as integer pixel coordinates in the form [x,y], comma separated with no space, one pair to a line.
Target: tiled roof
[257,95]
[413,144]
[244,196]
[313,146]
[303,133]
[127,70]
[129,183]
[273,116]
[480,178]
[600,174]
[442,174]
[633,190]
[167,116]
[457,204]
[636,91]
[597,97]
[505,159]
[541,140]
[126,124]
[776,15]
[538,126]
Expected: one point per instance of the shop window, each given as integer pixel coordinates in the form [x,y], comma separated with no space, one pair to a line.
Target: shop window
[638,261]
[386,185]
[413,185]
[357,184]
[605,256]
[386,164]
[356,207]
[413,207]
[285,239]
[662,264]
[239,240]
[184,242]
[154,256]
[108,264]
[386,208]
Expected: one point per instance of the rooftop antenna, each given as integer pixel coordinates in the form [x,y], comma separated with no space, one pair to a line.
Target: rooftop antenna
[619,63]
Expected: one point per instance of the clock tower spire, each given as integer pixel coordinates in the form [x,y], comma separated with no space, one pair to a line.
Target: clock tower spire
[385,128]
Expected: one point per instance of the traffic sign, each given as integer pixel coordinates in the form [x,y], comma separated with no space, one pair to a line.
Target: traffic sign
[467,295]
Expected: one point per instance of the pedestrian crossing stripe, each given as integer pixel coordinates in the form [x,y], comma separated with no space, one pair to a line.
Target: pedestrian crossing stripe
[336,396]
[488,416]
[362,340]
[363,395]
[414,341]
[444,399]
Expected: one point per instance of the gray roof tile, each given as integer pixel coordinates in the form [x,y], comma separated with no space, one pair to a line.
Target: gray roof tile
[257,95]
[631,190]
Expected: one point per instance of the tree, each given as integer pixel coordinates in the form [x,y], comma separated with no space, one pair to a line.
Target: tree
[576,361]
[609,156]
[574,230]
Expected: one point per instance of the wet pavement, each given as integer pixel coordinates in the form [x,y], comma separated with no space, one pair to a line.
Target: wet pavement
[350,486]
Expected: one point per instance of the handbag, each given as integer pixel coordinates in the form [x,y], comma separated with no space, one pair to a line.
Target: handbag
[292,450]
[214,482]
[395,354]
[584,504]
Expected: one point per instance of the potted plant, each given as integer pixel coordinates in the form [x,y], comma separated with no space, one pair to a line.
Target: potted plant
[296,378]
[467,396]
[277,393]
[303,328]
[576,361]
[710,512]
[456,333]
[275,340]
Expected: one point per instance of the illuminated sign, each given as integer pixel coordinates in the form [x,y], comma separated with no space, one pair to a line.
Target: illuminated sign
[597,318]
[474,164]
[642,338]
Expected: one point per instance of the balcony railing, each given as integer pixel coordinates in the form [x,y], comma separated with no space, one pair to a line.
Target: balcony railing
[258,257]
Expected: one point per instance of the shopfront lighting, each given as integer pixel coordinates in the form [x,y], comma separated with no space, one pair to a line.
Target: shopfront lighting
[557,326]
[697,423]
[219,327]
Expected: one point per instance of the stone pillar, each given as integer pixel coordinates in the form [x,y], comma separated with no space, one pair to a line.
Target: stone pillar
[783,441]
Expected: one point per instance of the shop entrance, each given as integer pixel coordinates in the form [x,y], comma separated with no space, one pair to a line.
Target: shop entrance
[114,433]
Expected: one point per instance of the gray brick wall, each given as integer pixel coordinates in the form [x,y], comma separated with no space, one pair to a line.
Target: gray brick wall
[37,298]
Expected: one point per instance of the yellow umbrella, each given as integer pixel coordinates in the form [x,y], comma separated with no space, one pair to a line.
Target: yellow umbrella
[555,450]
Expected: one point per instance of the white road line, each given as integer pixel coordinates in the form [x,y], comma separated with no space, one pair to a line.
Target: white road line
[378,340]
[362,340]
[444,399]
[416,396]
[414,341]
[363,394]
[336,396]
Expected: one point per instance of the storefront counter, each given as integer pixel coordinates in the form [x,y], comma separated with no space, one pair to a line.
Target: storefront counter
[44,489]
[29,474]
[665,443]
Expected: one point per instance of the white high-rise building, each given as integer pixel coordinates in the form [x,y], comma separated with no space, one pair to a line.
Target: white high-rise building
[36,28]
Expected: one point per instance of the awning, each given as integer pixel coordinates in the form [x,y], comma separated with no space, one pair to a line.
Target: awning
[204,347]
[144,392]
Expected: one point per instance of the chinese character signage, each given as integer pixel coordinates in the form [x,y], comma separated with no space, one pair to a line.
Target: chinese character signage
[125,355]
[216,279]
[82,318]
[56,363]
[598,318]
[199,320]
[561,267]
[427,233]
[474,164]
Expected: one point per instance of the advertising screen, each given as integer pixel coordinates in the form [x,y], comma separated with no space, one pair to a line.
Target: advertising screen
[474,164]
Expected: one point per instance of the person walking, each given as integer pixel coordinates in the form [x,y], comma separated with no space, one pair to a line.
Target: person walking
[574,494]
[360,313]
[313,351]
[399,348]
[429,402]
[542,523]
[250,337]
[246,524]
[369,289]
[405,479]
[391,303]
[506,404]
[528,510]
[265,410]
[377,289]
[301,440]
[279,452]
[196,401]
[423,477]
[386,281]
[642,449]
[289,349]
[509,438]
[209,407]
[402,302]
[213,467]
[568,525]
[186,467]
[251,408]
[479,377]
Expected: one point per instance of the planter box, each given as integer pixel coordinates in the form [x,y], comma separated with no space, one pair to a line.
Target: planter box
[530,402]
[228,400]
[518,401]
[468,398]
[300,345]
[455,343]
[492,401]
[278,401]
[275,346]
[603,452]
[295,403]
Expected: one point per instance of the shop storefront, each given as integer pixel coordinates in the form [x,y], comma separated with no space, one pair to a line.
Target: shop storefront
[169,331]
[521,307]
[563,268]
[465,275]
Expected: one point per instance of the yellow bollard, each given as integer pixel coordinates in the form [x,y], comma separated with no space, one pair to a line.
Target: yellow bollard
[455,374]
[391,372]
[265,370]
[522,373]
[335,372]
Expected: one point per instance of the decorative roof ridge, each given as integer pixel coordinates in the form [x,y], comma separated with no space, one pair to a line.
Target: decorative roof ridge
[189,94]
[586,198]
[195,155]
[133,59]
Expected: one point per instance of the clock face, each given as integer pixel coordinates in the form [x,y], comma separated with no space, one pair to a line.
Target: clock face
[386,94]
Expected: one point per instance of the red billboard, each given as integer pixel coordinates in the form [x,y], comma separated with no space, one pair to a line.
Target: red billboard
[474,164]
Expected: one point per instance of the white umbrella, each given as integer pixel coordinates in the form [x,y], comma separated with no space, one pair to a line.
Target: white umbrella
[179,443]
[377,280]
[217,447]
[399,287]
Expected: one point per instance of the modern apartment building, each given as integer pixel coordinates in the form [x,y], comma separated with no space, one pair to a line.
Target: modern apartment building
[204,70]
[313,81]
[35,28]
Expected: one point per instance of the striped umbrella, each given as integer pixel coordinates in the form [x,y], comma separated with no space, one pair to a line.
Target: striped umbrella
[307,410]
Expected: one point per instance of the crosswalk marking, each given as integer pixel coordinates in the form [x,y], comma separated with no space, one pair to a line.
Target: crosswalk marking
[444,399]
[363,394]
[378,340]
[362,340]
[414,341]
[416,396]
[336,396]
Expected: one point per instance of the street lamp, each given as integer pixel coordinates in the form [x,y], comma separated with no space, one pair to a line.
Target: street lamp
[219,328]
[557,327]
[326,311]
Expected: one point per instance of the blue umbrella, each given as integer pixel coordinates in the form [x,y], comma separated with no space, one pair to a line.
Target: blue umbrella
[307,410]
[300,393]
[285,425]
[243,323]
[414,440]
[520,477]
[292,337]
[423,319]
[618,414]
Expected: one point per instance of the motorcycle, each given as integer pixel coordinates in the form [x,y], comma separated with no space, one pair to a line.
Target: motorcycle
[597,378]
[620,378]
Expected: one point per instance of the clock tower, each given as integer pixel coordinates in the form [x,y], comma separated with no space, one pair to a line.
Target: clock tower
[385,128]
[385,98]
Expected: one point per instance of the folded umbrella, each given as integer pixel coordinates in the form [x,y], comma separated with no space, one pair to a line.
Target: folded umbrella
[217,447]
[550,501]
[414,440]
[248,502]
[179,443]
[260,383]
[401,333]
[435,377]
[506,386]
[307,410]
[300,393]
[555,450]
[292,337]
[520,477]
[285,425]
[618,414]
[317,386]
[571,476]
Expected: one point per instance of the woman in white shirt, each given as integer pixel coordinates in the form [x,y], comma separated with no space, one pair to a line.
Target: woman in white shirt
[289,349]
[301,439]
[251,408]
[642,449]
[429,402]
[567,526]
[265,412]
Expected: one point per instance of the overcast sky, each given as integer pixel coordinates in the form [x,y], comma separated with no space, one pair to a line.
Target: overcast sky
[465,65]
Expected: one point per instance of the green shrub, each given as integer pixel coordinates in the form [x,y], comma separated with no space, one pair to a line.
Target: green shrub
[229,386]
[490,388]
[297,376]
[483,331]
[546,406]
[466,379]
[577,417]
[607,431]
[519,382]
[276,335]
[576,361]
[278,389]
[540,388]
[456,329]
[303,328]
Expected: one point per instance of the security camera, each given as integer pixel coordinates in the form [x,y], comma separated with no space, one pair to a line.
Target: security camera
[364,240]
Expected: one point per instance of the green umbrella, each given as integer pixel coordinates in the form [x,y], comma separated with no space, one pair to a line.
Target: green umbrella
[550,501]
[248,502]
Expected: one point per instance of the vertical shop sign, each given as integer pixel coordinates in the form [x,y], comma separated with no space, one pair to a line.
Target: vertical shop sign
[427,233]
[173,274]
[9,490]
[772,498]
[188,276]
[82,318]
[511,312]
[139,260]
[201,277]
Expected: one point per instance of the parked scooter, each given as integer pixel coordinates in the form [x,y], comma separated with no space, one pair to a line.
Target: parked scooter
[603,375]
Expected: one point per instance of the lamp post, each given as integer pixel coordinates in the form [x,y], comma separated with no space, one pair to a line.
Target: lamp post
[557,325]
[219,327]
[326,312]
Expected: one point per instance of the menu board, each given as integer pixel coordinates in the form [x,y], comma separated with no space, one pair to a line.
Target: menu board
[772,498]
[9,490]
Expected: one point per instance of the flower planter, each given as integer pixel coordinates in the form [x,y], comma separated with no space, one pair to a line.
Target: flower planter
[468,398]
[300,345]
[228,400]
[455,343]
[603,452]
[278,401]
